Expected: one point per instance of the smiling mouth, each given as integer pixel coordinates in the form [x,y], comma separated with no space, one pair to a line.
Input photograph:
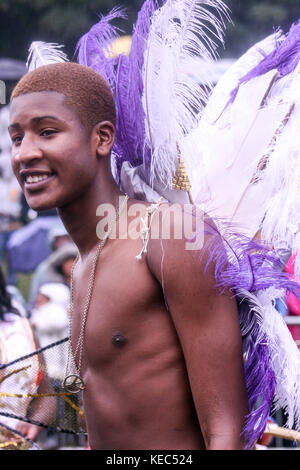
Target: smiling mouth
[37,180]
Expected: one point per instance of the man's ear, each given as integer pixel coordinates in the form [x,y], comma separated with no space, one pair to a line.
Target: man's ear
[103,138]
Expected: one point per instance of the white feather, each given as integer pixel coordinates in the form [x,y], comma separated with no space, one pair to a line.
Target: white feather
[230,150]
[182,31]
[240,68]
[43,53]
[217,142]
[282,173]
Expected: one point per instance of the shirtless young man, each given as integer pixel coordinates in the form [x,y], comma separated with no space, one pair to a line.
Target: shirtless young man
[162,355]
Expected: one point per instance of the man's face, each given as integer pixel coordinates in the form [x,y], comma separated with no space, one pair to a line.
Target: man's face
[50,150]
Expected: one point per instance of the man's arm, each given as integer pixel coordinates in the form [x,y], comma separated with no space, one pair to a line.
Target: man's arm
[208,329]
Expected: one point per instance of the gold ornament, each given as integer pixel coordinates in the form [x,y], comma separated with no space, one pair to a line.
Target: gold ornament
[181,180]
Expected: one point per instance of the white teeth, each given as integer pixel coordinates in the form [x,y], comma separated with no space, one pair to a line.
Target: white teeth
[36,179]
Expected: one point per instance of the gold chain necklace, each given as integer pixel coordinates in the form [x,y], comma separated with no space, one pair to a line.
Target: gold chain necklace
[73,383]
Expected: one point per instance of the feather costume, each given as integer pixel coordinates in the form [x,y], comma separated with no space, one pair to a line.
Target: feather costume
[173,137]
[263,345]
[177,143]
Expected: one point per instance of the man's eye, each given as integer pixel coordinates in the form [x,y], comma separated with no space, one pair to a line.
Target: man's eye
[48,132]
[16,139]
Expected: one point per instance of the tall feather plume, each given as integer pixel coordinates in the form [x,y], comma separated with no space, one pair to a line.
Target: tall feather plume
[281,174]
[129,145]
[43,53]
[240,68]
[250,151]
[93,48]
[215,141]
[124,133]
[182,31]
[255,145]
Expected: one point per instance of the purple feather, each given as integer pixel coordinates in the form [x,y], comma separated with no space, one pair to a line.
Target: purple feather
[259,376]
[246,264]
[139,44]
[93,47]
[123,141]
[285,58]
[124,75]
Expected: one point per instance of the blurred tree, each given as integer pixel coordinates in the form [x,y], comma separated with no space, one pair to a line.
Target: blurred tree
[255,19]
[64,21]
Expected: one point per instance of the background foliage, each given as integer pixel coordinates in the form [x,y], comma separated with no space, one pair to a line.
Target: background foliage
[255,19]
[64,21]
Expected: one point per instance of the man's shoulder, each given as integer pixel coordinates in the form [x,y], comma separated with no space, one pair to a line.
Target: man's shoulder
[179,239]
[185,227]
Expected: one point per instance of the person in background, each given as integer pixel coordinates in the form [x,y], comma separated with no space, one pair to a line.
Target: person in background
[49,320]
[293,303]
[10,196]
[16,340]
[57,267]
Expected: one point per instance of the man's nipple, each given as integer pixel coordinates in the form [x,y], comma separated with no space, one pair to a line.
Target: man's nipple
[118,340]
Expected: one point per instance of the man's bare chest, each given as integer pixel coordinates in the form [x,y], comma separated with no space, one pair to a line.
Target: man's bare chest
[125,312]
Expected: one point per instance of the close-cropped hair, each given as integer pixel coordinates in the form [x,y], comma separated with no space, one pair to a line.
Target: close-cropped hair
[85,91]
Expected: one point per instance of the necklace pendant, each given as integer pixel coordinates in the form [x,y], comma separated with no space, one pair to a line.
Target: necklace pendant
[73,384]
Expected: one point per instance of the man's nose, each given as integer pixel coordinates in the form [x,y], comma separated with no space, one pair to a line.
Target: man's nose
[27,151]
